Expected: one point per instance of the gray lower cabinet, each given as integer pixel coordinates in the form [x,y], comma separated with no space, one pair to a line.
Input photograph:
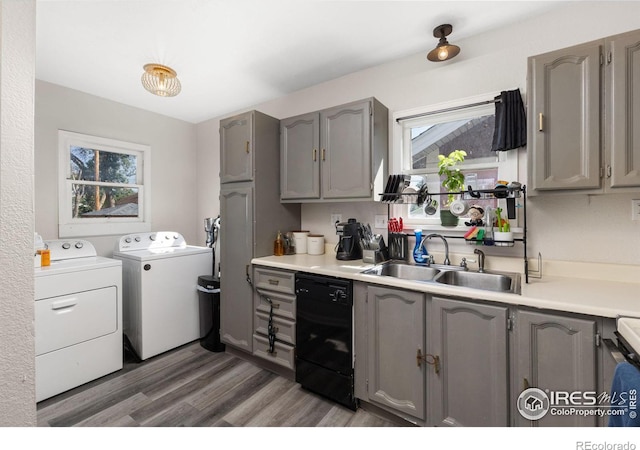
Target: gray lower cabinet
[396,333]
[554,353]
[236,251]
[443,361]
[275,300]
[468,379]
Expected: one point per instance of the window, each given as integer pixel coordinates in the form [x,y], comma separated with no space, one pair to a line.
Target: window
[429,134]
[104,186]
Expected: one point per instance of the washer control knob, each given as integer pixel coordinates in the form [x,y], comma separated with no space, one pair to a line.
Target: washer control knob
[137,238]
[175,236]
[127,240]
[167,237]
[152,237]
[79,245]
[66,246]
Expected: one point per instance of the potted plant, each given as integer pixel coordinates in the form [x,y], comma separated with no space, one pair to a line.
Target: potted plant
[453,182]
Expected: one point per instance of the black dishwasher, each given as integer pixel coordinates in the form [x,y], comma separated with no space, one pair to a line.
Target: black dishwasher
[324,337]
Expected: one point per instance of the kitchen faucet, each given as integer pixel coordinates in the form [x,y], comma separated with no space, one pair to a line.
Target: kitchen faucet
[447,262]
[480,254]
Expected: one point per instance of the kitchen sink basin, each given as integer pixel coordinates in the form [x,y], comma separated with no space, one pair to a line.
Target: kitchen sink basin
[488,281]
[404,271]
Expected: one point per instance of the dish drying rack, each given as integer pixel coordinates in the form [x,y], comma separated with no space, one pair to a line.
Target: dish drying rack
[395,193]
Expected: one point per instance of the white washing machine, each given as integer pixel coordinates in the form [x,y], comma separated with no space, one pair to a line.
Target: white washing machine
[78,317]
[160,279]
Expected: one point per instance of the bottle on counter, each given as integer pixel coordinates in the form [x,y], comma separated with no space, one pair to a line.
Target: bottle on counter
[420,254]
[278,245]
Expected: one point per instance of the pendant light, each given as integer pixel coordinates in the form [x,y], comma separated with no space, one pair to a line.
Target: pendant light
[443,50]
[161,80]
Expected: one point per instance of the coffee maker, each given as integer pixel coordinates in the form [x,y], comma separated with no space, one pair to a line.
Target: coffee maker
[348,247]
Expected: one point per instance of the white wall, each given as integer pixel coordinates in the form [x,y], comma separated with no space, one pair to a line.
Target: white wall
[173,158]
[563,228]
[17,355]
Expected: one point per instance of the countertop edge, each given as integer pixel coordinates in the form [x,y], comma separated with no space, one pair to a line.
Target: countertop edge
[609,299]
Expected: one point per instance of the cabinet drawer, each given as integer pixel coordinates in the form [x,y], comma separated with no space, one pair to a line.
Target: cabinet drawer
[275,280]
[284,354]
[283,305]
[285,329]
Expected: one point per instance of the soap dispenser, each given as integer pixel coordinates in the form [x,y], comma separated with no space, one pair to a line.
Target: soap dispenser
[420,254]
[278,245]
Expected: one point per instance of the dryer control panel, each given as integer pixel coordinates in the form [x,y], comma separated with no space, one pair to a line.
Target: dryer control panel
[70,248]
[150,241]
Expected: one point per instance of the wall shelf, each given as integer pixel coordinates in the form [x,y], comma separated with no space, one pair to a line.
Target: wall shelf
[510,194]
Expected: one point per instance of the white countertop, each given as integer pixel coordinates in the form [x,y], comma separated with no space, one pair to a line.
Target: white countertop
[596,297]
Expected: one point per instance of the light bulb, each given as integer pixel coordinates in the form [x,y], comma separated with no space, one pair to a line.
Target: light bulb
[443,53]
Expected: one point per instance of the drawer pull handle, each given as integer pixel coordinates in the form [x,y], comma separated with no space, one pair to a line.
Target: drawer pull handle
[275,305]
[273,282]
[63,304]
[274,353]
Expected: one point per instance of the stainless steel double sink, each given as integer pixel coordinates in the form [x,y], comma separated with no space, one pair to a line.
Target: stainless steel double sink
[508,282]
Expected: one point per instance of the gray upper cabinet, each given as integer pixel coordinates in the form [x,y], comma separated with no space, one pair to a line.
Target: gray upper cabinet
[396,333]
[468,381]
[624,118]
[554,353]
[337,154]
[300,157]
[237,148]
[584,117]
[564,118]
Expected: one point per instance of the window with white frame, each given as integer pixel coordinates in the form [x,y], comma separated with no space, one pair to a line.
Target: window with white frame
[439,131]
[104,186]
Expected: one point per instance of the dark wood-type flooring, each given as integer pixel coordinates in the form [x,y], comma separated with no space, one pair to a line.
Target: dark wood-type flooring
[193,387]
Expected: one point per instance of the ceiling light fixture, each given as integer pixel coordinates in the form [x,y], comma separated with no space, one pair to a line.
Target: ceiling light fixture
[161,80]
[443,50]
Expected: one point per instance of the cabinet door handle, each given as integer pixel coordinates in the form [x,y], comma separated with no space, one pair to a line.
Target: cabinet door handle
[428,358]
[247,145]
[540,122]
[324,152]
[315,154]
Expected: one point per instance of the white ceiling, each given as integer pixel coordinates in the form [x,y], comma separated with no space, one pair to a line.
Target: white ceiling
[233,54]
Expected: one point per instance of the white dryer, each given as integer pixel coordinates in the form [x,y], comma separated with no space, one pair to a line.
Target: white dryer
[160,280]
[78,317]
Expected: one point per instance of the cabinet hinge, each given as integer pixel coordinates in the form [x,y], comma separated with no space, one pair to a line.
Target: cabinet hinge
[609,57]
[367,384]
[601,59]
[601,172]
[598,339]
[509,324]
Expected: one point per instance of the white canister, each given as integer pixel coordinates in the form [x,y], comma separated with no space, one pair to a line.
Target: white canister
[315,244]
[300,241]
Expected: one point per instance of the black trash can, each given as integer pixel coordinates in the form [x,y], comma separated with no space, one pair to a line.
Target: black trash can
[209,297]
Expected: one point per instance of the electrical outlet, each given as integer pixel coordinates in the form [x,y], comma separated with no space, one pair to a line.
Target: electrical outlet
[635,209]
[380,221]
[335,218]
